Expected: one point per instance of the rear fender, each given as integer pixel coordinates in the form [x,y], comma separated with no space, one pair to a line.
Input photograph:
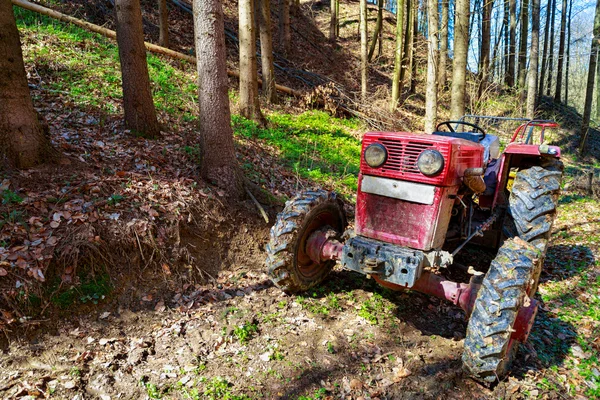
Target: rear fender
[532,150]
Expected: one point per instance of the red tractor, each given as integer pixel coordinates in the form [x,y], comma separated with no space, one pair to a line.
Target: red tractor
[421,199]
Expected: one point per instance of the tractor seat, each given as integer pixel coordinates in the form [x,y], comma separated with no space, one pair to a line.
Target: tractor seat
[471,136]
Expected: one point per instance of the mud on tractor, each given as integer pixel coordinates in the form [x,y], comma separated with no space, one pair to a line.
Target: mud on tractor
[421,199]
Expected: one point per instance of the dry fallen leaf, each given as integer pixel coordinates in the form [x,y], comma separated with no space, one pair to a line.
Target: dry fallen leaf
[3,272]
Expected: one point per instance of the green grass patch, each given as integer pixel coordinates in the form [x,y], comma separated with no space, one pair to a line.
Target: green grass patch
[92,289]
[313,144]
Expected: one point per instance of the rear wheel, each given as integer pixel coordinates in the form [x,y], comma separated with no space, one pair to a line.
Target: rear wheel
[489,348]
[288,263]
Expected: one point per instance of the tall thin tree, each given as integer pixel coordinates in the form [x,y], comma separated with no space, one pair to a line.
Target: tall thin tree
[218,161]
[505,53]
[266,51]
[364,50]
[533,58]
[568,54]
[332,21]
[459,66]
[249,102]
[545,51]
[140,114]
[484,50]
[551,50]
[561,51]
[407,42]
[163,17]
[432,60]
[285,33]
[589,90]
[512,39]
[396,84]
[22,140]
[443,62]
[523,48]
[413,46]
[378,29]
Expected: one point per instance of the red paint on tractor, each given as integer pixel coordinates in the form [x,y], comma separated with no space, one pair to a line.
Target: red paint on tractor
[524,321]
[529,149]
[418,226]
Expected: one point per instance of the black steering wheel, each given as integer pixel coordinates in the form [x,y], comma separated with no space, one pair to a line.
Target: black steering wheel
[449,126]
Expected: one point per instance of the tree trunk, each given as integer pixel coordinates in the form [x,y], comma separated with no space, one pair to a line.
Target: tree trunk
[551,51]
[218,162]
[443,62]
[597,87]
[337,18]
[459,66]
[140,114]
[364,50]
[505,53]
[22,139]
[249,102]
[533,58]
[568,55]
[163,17]
[545,53]
[561,51]
[332,21]
[512,39]
[589,91]
[484,53]
[285,34]
[266,51]
[407,42]
[396,84]
[413,46]
[432,60]
[523,49]
[377,32]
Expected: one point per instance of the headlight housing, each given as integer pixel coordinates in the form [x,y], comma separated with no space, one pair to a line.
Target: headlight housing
[430,162]
[375,155]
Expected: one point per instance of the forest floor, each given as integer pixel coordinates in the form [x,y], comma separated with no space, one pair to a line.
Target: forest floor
[124,276]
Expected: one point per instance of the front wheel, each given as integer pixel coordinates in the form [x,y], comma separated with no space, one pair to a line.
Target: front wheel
[489,348]
[288,264]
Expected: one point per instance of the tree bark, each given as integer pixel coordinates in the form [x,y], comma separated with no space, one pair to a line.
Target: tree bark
[413,46]
[505,52]
[512,39]
[249,102]
[533,58]
[285,33]
[266,51]
[443,62]
[23,142]
[140,114]
[218,162]
[377,32]
[561,52]
[568,55]
[484,52]
[332,21]
[364,50]
[163,16]
[545,52]
[432,60]
[337,18]
[551,51]
[459,66]
[589,91]
[407,43]
[523,49]
[396,78]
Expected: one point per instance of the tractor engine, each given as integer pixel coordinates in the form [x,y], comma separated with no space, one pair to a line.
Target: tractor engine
[407,188]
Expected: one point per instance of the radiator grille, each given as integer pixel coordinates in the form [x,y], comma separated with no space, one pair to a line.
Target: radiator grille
[402,156]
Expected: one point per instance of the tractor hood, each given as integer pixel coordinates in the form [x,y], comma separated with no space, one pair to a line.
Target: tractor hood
[403,151]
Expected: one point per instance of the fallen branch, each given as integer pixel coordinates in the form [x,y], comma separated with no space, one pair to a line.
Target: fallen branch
[113,35]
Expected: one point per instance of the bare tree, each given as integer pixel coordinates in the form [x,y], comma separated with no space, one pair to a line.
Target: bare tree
[484,51]
[551,51]
[561,51]
[443,62]
[364,50]
[589,90]
[22,139]
[378,29]
[523,48]
[407,43]
[285,33]
[459,66]
[218,162]
[413,38]
[249,102]
[396,79]
[432,60]
[545,52]
[163,17]
[568,54]
[140,114]
[533,58]
[266,51]
[333,21]
[506,23]
[512,39]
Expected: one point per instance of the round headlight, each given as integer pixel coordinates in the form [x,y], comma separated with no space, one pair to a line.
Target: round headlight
[375,155]
[430,162]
